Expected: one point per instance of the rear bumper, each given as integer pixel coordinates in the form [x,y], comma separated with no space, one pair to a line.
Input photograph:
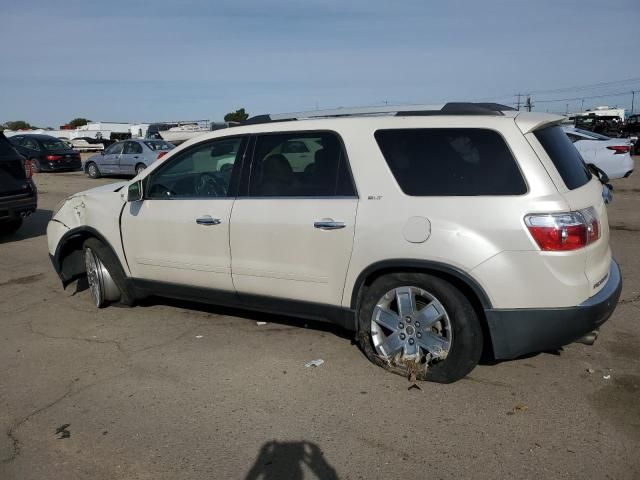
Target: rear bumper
[15,207]
[520,331]
[59,166]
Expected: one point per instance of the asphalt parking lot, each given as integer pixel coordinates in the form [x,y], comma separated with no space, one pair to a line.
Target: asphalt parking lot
[178,390]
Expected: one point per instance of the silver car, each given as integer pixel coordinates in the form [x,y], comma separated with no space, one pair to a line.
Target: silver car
[129,157]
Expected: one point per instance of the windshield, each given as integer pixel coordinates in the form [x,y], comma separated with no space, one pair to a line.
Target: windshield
[54,144]
[593,135]
[159,145]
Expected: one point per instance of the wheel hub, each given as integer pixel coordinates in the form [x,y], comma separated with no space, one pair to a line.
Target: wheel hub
[411,325]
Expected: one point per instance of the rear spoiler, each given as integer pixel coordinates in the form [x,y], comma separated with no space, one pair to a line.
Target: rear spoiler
[527,122]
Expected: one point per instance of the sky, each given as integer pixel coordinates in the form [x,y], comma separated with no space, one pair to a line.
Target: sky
[162,60]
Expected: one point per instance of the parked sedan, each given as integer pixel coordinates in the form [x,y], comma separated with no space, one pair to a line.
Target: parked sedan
[609,154]
[129,157]
[46,153]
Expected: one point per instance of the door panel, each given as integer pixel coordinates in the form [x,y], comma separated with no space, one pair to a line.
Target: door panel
[164,242]
[179,233]
[131,155]
[292,235]
[278,252]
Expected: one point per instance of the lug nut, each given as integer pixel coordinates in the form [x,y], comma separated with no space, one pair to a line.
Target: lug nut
[401,325]
[402,336]
[417,324]
[419,335]
[408,319]
[411,340]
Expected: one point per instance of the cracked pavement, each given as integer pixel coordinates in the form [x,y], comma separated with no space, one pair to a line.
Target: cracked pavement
[178,390]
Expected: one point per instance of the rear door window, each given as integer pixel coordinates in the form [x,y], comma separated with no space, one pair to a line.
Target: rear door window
[451,162]
[564,156]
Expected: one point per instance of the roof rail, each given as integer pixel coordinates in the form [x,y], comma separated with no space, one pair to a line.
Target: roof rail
[451,108]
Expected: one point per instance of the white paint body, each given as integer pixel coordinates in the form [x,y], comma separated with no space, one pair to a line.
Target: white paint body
[594,150]
[268,246]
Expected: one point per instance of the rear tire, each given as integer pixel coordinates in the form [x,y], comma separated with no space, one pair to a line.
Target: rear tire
[140,167]
[35,165]
[10,227]
[92,170]
[107,280]
[458,329]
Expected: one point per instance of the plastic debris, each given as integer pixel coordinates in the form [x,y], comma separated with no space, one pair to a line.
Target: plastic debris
[606,377]
[590,370]
[63,432]
[261,323]
[314,363]
[520,407]
[198,336]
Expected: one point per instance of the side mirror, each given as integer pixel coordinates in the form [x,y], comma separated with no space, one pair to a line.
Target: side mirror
[134,192]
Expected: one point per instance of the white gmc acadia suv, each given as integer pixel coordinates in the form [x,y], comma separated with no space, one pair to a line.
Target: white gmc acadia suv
[433,233]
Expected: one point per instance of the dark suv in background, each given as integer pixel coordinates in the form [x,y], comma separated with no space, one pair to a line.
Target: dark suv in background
[631,129]
[18,194]
[47,153]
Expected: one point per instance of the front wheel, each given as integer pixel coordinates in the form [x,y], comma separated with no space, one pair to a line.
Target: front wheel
[418,324]
[92,170]
[107,281]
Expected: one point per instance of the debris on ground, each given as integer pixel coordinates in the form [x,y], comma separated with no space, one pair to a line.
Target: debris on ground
[314,363]
[590,370]
[63,432]
[198,336]
[606,377]
[261,323]
[414,386]
[518,407]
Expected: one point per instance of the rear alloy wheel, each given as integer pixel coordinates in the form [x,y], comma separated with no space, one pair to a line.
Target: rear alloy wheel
[139,168]
[92,170]
[418,325]
[35,165]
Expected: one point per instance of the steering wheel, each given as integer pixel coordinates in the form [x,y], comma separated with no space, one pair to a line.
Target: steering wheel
[207,185]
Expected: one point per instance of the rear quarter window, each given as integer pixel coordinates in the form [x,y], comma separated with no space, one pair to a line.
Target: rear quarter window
[564,156]
[451,162]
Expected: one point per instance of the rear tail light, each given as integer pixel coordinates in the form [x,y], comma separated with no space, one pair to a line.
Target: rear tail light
[53,158]
[618,149]
[558,232]
[28,169]
[161,154]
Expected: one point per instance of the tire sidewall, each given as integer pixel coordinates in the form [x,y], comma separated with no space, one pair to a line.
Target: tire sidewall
[97,172]
[35,165]
[466,347]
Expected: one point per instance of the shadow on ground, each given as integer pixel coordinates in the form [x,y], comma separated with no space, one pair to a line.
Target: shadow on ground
[290,460]
[35,225]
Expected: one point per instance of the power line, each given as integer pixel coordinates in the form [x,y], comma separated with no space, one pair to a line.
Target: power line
[586,97]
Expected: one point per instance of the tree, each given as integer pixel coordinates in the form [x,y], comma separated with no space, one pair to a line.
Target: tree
[18,125]
[78,122]
[237,116]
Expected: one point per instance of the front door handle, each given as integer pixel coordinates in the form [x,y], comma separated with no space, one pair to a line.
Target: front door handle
[328,225]
[207,220]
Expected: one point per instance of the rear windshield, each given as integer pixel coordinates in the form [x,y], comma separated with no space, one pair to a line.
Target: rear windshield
[594,135]
[159,145]
[564,156]
[451,162]
[54,145]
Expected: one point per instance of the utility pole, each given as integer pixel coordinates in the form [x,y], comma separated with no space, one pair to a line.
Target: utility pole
[582,105]
[633,97]
[528,105]
[518,103]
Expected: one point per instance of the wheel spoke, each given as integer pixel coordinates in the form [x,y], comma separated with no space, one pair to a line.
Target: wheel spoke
[434,344]
[406,301]
[391,345]
[386,318]
[410,350]
[429,315]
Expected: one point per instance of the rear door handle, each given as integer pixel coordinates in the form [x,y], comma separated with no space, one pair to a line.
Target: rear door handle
[207,220]
[328,225]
